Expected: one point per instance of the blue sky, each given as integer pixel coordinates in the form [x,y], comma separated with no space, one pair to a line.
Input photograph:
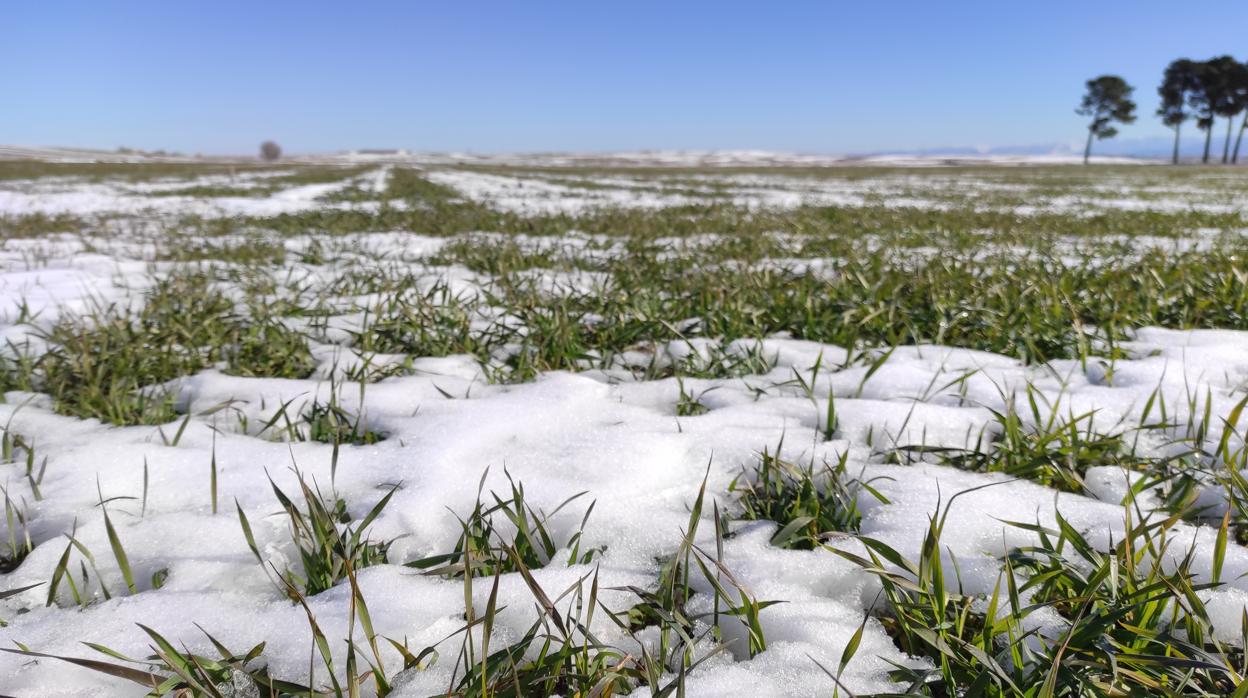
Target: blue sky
[822,77]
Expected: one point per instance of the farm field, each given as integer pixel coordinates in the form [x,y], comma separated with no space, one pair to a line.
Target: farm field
[650,427]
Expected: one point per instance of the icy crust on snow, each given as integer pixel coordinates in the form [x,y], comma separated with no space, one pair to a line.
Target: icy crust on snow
[622,443]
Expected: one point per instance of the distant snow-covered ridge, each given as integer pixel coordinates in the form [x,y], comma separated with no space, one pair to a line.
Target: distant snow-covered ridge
[636,158]
[741,158]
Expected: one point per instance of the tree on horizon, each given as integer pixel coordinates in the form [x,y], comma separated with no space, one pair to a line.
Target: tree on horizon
[1221,91]
[270,151]
[1239,94]
[1177,85]
[1108,99]
[1226,90]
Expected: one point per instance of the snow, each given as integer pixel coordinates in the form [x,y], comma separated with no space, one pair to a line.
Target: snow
[572,191]
[576,192]
[52,196]
[562,434]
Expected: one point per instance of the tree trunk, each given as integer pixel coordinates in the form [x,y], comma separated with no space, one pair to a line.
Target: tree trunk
[1175,158]
[1239,138]
[1226,147]
[1208,136]
[1087,149]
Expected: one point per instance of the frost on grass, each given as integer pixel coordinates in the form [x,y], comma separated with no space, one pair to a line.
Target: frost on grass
[518,431]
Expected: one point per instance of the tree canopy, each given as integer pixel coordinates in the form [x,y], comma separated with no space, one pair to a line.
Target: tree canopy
[270,151]
[1107,100]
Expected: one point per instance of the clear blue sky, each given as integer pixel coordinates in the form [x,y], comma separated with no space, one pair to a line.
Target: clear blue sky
[824,77]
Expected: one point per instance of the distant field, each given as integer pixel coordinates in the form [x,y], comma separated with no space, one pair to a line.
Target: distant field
[538,428]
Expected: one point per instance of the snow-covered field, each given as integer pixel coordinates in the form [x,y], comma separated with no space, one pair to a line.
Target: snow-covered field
[626,344]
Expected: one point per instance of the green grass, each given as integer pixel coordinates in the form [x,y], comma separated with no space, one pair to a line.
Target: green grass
[330,545]
[37,225]
[146,171]
[559,654]
[113,364]
[297,176]
[484,551]
[979,291]
[1135,625]
[809,503]
[170,671]
[1035,308]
